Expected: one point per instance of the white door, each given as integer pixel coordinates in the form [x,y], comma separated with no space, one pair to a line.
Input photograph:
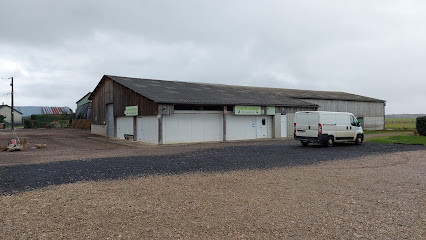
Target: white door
[284,126]
[139,128]
[193,126]
[262,128]
[124,127]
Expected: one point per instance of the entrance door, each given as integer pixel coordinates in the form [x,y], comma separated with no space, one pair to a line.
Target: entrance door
[262,128]
[284,126]
[110,120]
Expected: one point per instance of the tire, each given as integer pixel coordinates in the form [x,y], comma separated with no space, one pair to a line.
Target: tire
[330,141]
[304,143]
[359,139]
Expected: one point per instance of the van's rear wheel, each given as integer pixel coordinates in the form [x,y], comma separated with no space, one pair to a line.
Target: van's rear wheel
[330,141]
[359,139]
[304,143]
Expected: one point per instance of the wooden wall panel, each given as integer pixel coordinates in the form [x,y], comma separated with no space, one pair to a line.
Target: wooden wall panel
[124,97]
[108,92]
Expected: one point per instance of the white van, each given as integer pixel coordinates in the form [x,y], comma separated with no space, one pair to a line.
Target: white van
[327,128]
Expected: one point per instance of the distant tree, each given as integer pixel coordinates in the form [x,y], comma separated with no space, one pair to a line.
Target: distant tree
[1,119]
[421,125]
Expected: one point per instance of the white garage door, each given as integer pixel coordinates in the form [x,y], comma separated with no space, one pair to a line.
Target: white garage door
[124,126]
[193,126]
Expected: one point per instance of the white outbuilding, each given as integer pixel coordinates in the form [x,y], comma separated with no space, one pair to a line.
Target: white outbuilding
[6,112]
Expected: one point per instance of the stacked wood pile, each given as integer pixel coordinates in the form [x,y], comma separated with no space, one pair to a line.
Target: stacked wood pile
[81,124]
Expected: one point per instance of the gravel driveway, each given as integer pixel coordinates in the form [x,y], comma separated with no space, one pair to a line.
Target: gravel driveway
[274,154]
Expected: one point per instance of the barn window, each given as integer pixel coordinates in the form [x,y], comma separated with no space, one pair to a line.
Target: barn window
[187,107]
[212,108]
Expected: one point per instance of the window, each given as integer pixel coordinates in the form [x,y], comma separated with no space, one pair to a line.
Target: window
[186,107]
[212,108]
[354,122]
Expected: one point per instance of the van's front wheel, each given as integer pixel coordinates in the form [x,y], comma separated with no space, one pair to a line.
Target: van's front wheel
[359,139]
[330,141]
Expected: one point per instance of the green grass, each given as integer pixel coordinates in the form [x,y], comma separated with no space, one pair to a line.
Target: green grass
[399,132]
[406,139]
[401,124]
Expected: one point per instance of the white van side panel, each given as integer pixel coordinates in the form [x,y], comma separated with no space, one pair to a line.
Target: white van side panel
[328,122]
[342,123]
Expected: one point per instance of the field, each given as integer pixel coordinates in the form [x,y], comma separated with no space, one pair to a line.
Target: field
[236,190]
[392,137]
[401,124]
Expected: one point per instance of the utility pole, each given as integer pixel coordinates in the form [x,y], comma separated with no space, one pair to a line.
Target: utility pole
[11,114]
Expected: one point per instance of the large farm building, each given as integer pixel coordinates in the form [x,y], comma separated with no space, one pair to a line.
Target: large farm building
[162,112]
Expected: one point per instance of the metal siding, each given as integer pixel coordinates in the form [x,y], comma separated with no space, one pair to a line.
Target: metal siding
[373,112]
[359,109]
[110,120]
[193,126]
[290,124]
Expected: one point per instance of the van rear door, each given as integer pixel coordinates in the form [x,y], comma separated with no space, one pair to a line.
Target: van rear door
[307,124]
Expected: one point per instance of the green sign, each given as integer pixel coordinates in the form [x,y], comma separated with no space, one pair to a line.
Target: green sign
[270,110]
[131,111]
[248,110]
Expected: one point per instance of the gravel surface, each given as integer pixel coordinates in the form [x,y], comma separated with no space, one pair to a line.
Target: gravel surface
[378,196]
[267,155]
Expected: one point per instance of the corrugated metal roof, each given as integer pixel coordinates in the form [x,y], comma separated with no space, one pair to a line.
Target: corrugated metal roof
[52,110]
[175,92]
[36,110]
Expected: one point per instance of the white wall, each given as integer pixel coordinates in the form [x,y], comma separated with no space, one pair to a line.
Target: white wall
[245,127]
[270,123]
[124,126]
[290,124]
[193,126]
[98,130]
[147,129]
[6,112]
[374,123]
[240,127]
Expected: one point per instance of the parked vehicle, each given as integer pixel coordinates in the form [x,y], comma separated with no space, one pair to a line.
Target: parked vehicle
[327,128]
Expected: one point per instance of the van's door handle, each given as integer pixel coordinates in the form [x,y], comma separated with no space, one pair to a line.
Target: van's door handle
[351,127]
[347,127]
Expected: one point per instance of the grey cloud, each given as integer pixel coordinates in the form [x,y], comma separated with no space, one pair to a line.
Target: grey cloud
[353,46]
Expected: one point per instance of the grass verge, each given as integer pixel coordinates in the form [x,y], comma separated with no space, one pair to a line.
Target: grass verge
[404,139]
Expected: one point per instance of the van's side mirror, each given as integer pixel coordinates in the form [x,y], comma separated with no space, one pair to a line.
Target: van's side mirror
[358,124]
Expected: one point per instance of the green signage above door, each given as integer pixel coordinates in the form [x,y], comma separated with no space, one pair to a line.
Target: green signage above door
[248,110]
[270,110]
[131,111]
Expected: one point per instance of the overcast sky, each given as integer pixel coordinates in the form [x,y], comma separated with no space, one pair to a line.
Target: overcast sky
[57,51]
